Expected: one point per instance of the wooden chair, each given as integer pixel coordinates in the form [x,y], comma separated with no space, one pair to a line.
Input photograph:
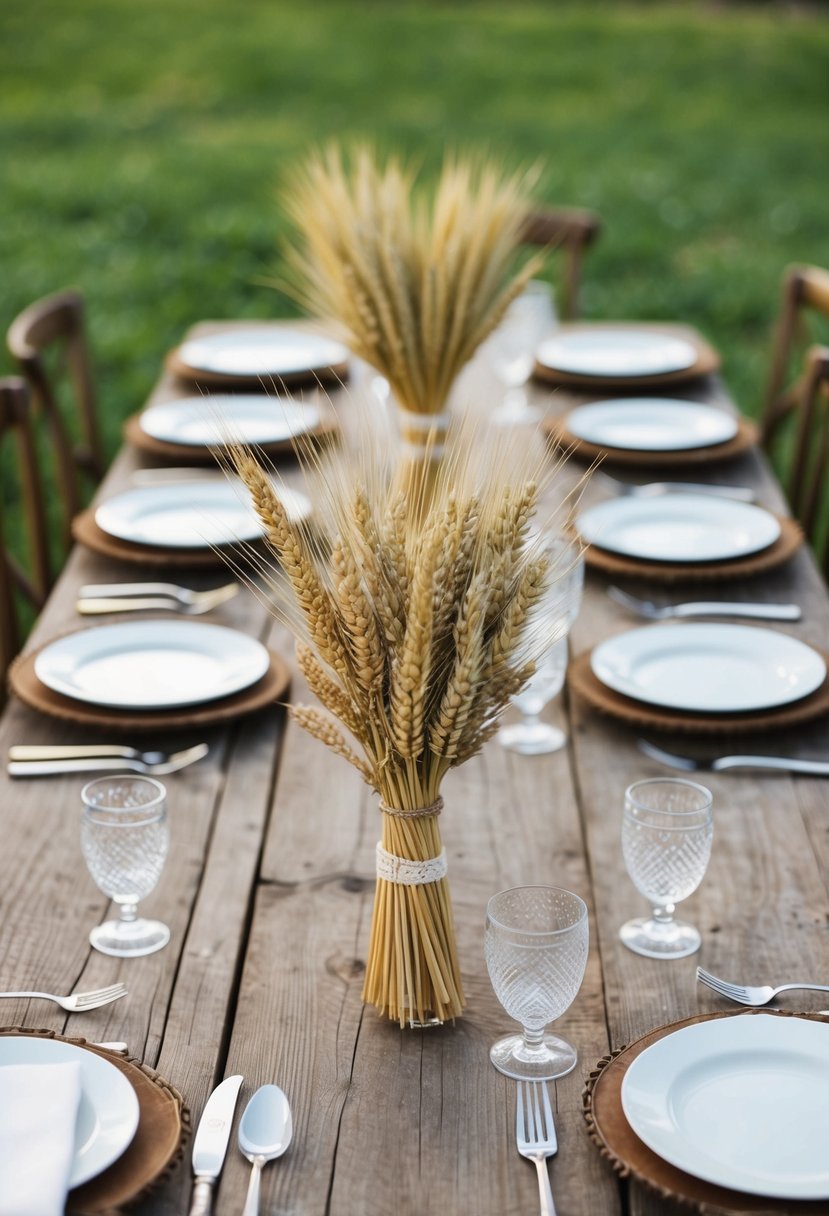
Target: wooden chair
[807,481]
[804,288]
[48,341]
[570,230]
[29,582]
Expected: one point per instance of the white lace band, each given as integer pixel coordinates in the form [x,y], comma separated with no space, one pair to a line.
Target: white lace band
[416,451]
[410,873]
[413,421]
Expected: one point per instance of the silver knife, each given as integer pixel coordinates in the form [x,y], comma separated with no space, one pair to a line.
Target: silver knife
[210,1144]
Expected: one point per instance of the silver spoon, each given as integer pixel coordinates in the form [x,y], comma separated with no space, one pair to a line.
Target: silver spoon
[264,1133]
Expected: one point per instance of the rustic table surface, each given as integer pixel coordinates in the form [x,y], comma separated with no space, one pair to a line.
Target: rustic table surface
[268,892]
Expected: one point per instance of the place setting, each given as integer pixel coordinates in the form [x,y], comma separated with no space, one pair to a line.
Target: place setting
[150,675]
[703,677]
[652,432]
[194,428]
[624,355]
[190,521]
[684,537]
[260,356]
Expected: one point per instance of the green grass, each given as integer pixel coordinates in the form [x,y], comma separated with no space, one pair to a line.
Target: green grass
[143,145]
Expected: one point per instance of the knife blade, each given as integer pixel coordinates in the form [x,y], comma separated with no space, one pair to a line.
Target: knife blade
[210,1144]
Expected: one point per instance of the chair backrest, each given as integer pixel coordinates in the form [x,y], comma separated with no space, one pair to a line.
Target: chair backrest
[804,288]
[807,483]
[569,230]
[52,329]
[21,487]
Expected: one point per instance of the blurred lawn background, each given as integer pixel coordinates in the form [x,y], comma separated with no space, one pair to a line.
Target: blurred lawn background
[143,145]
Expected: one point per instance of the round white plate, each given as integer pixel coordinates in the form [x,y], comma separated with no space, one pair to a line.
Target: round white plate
[151,664]
[190,515]
[740,1102]
[266,351]
[678,527]
[207,421]
[651,424]
[708,668]
[108,1112]
[616,352]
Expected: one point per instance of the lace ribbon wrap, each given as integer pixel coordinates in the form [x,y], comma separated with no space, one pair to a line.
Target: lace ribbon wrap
[403,870]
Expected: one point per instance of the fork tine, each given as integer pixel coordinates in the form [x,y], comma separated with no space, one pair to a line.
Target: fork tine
[539,1136]
[520,1134]
[549,1121]
[714,980]
[112,992]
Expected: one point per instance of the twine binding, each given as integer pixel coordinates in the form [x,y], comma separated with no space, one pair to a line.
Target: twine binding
[419,812]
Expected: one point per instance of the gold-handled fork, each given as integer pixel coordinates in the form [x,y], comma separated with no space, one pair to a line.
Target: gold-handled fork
[97,598]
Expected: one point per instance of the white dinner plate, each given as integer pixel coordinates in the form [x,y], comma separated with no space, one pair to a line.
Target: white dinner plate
[247,418]
[151,664]
[708,668]
[651,424]
[616,353]
[108,1112]
[271,351]
[678,527]
[190,515]
[741,1102]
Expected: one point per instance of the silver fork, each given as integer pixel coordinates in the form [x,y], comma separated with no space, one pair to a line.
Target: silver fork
[78,1002]
[654,489]
[703,608]
[535,1135]
[43,761]
[722,764]
[97,598]
[744,995]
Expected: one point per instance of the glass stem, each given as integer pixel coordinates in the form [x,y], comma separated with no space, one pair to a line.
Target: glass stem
[530,719]
[129,913]
[664,914]
[533,1039]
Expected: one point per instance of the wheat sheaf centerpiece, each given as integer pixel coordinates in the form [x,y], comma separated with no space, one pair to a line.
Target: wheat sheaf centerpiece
[414,279]
[413,630]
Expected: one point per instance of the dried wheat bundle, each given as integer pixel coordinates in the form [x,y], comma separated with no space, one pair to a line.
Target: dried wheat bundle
[413,634]
[417,282]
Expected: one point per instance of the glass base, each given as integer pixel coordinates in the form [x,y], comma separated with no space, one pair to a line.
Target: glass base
[552,1058]
[532,738]
[660,939]
[130,939]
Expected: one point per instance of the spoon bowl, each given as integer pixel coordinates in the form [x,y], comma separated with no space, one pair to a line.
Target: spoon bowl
[265,1132]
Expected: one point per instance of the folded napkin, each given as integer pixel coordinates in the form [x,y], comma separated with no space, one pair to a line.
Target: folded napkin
[38,1109]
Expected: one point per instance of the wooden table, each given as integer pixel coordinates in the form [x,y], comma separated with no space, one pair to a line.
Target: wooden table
[268,892]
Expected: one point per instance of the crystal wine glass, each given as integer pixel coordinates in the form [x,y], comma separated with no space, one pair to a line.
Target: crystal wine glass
[667,829]
[529,319]
[555,618]
[536,951]
[124,838]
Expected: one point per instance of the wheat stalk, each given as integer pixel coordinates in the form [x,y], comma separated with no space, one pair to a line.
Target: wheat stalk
[415,281]
[414,627]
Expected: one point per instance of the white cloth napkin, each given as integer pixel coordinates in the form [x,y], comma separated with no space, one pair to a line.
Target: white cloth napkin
[38,1109]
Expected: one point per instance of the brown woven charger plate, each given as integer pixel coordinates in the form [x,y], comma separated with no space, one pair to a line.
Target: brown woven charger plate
[585,684]
[175,365]
[746,438]
[86,532]
[631,1158]
[158,1145]
[620,566]
[707,360]
[273,686]
[189,453]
